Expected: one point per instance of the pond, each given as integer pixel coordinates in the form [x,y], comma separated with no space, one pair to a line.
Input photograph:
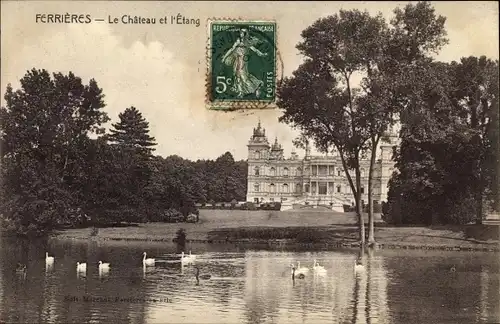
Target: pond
[246,286]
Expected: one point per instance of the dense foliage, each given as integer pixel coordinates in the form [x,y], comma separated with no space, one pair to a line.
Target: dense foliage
[60,168]
[448,113]
[449,154]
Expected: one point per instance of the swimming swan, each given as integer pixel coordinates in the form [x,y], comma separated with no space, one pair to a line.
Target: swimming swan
[358,267]
[148,262]
[81,267]
[187,258]
[48,259]
[299,275]
[103,266]
[318,268]
[21,267]
[300,269]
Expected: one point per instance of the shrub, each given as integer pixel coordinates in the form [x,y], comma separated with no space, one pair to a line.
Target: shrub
[180,236]
[377,208]
[94,231]
[348,208]
[172,215]
[191,218]
[308,236]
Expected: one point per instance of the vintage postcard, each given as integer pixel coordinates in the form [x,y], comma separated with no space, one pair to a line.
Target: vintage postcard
[249,162]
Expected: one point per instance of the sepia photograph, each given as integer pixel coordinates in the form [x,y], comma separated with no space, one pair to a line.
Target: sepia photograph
[250,162]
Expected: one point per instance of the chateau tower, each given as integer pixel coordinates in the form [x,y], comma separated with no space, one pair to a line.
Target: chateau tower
[276,151]
[258,146]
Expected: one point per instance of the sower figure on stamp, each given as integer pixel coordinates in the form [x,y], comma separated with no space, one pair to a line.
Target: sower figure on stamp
[237,57]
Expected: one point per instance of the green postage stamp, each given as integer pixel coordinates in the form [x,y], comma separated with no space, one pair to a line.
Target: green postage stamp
[241,64]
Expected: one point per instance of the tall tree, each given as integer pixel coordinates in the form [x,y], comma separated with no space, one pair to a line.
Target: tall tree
[336,48]
[415,33]
[45,129]
[132,131]
[134,146]
[320,98]
[475,97]
[446,149]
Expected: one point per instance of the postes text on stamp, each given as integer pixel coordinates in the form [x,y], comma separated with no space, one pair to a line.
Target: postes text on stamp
[241,64]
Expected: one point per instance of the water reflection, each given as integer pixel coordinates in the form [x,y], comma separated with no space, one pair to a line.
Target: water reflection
[248,287]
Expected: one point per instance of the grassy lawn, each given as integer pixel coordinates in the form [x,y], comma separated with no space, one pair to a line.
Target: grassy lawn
[322,226]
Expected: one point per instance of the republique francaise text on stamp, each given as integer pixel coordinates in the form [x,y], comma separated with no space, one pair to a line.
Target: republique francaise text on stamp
[242,67]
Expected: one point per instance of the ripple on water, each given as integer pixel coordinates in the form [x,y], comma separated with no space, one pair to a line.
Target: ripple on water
[248,287]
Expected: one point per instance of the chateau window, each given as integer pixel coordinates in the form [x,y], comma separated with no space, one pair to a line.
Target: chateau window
[339,189]
[285,172]
[362,190]
[273,171]
[256,171]
[298,188]
[257,155]
[362,171]
[256,187]
[299,171]
[272,187]
[285,187]
[331,170]
[306,187]
[322,188]
[339,173]
[314,170]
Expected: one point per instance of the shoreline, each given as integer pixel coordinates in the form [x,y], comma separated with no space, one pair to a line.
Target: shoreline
[485,247]
[446,238]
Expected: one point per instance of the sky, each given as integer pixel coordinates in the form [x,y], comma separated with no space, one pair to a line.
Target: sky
[161,69]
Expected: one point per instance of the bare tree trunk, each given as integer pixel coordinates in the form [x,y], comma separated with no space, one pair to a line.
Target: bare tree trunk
[371,227]
[359,209]
[355,188]
[479,187]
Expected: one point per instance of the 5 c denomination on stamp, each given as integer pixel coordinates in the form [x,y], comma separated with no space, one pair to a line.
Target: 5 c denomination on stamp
[241,64]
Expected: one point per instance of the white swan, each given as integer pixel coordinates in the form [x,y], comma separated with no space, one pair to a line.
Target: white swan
[299,275]
[358,267]
[103,266]
[318,269]
[300,269]
[21,268]
[148,262]
[48,259]
[188,258]
[81,267]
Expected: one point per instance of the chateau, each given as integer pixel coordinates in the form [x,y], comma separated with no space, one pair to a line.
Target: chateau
[311,180]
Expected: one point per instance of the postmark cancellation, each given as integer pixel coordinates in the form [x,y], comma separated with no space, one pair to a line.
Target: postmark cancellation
[242,67]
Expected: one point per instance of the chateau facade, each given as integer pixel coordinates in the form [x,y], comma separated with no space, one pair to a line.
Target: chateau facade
[311,180]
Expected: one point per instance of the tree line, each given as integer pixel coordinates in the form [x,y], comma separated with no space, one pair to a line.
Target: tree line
[447,162]
[61,168]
